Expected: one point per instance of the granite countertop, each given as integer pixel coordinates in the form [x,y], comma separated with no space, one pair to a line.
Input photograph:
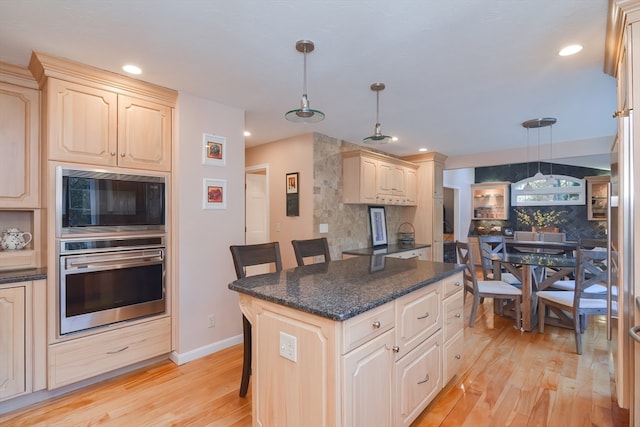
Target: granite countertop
[386,250]
[339,290]
[26,275]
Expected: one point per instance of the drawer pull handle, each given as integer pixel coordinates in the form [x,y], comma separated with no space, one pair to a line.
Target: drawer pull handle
[458,315]
[122,154]
[118,351]
[425,380]
[376,325]
[423,317]
[457,284]
[458,356]
[395,349]
[113,153]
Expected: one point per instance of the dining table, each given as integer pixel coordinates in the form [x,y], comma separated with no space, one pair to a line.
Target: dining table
[536,271]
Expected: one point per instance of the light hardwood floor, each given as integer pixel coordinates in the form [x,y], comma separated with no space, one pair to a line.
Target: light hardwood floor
[508,379]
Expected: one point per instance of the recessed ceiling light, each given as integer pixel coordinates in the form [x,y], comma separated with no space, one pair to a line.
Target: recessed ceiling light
[247,133]
[132,69]
[422,150]
[570,50]
[394,138]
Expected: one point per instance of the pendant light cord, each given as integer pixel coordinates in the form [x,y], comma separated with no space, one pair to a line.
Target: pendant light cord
[304,78]
[551,150]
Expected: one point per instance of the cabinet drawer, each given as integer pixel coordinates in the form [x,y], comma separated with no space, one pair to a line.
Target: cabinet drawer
[452,284]
[418,379]
[418,315]
[453,356]
[364,327]
[16,260]
[86,357]
[453,315]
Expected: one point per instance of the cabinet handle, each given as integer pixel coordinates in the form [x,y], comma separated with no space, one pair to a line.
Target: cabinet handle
[118,351]
[122,154]
[113,153]
[458,356]
[458,315]
[457,284]
[395,349]
[424,380]
[423,317]
[376,325]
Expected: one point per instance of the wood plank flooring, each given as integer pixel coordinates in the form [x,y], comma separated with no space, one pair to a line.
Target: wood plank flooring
[508,379]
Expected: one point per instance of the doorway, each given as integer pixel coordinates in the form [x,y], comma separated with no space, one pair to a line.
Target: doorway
[450,220]
[256,219]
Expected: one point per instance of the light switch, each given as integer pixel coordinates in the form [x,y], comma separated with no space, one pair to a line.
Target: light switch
[324,228]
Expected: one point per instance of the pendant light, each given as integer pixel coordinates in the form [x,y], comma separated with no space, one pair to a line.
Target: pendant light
[537,124]
[377,137]
[304,114]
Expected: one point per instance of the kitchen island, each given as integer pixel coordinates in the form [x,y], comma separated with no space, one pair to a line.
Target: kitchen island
[365,341]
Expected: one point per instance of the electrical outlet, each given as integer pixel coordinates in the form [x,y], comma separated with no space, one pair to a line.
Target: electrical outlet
[288,347]
[212,320]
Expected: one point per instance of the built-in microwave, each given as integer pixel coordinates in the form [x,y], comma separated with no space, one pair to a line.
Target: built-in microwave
[106,202]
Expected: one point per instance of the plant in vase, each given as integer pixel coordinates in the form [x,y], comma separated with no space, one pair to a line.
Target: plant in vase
[539,220]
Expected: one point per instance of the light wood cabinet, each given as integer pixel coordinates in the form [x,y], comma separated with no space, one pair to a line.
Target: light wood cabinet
[381,367]
[597,197]
[372,178]
[421,254]
[490,200]
[22,338]
[428,217]
[19,138]
[88,356]
[12,348]
[100,118]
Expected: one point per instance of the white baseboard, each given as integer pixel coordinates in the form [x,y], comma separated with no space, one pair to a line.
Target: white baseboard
[182,358]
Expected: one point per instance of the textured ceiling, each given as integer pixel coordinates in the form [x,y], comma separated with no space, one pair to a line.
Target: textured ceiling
[460,75]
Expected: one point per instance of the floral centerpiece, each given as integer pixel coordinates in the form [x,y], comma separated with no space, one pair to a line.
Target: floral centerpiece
[538,220]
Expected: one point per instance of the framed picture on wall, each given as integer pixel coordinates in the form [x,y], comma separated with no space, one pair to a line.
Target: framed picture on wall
[213,150]
[378,222]
[214,194]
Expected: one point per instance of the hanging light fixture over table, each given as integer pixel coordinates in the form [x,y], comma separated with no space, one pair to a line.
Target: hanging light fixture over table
[304,114]
[537,124]
[377,137]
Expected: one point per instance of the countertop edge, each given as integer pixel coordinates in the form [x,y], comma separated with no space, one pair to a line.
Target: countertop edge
[16,276]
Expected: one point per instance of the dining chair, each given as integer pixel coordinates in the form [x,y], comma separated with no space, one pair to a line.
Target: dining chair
[311,248]
[527,236]
[245,256]
[569,284]
[491,247]
[496,289]
[572,308]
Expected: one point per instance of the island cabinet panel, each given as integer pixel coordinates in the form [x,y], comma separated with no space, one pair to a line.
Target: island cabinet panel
[418,316]
[380,367]
[368,383]
[418,379]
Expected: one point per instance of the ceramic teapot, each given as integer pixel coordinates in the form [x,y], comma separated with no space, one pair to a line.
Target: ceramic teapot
[14,239]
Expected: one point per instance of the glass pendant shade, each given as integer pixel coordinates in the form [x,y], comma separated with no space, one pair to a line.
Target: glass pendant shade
[304,114]
[378,137]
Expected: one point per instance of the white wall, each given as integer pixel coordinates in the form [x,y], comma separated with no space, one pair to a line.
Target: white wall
[204,263]
[461,179]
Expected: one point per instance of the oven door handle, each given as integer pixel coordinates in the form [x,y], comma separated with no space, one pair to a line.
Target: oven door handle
[85,263]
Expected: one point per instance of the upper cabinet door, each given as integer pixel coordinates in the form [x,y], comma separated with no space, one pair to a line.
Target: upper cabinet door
[144,134]
[19,137]
[82,123]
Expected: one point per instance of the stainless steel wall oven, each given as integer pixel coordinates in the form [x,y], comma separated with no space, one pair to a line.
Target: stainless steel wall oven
[108,280]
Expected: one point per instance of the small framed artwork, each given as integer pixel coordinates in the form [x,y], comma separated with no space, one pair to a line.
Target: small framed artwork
[215,194]
[292,183]
[213,150]
[378,222]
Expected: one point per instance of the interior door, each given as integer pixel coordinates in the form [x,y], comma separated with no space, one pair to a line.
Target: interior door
[256,212]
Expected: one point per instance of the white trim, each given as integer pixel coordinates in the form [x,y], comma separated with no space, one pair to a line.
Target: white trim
[542,195]
[182,358]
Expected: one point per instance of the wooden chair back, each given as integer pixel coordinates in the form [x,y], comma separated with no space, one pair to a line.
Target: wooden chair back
[591,275]
[311,248]
[249,255]
[525,235]
[466,257]
[490,247]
